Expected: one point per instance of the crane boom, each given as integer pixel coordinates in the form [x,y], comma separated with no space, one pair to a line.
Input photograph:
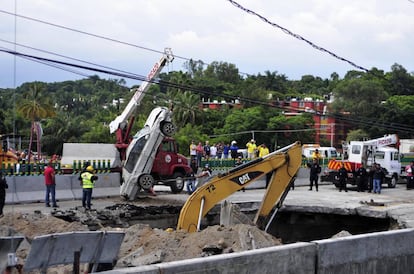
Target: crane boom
[140,92]
[391,139]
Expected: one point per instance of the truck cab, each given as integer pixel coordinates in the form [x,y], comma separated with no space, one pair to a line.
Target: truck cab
[366,153]
[170,167]
[387,157]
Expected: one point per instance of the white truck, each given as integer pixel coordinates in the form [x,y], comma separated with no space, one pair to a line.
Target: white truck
[325,152]
[151,156]
[365,153]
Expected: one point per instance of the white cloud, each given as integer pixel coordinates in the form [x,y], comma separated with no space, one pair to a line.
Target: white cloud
[371,33]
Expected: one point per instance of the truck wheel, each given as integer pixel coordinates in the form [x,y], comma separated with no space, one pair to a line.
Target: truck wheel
[392,183]
[168,129]
[146,181]
[178,184]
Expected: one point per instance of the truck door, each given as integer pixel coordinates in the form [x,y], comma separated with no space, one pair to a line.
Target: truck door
[165,158]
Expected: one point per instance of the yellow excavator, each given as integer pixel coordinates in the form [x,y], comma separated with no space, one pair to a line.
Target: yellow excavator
[282,164]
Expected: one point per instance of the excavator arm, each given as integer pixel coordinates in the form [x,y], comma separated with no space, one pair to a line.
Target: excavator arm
[283,164]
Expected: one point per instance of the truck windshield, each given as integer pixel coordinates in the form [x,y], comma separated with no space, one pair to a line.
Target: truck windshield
[356,149]
[135,153]
[396,156]
[379,155]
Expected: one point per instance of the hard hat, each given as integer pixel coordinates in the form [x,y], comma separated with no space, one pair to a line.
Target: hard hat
[89,168]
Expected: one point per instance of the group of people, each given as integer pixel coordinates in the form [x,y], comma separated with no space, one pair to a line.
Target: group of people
[87,180]
[218,151]
[213,151]
[225,151]
[370,181]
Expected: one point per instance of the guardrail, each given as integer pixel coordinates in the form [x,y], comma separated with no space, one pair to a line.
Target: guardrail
[23,169]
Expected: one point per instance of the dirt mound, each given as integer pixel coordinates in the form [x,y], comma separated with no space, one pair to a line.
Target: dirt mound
[142,244]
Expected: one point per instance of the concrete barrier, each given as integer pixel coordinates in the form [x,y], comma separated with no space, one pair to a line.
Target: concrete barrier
[29,189]
[380,252]
[294,258]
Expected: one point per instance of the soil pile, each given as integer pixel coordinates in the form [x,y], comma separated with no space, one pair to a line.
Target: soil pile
[143,245]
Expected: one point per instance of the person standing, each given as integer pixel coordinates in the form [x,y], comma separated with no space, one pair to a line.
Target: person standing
[50,182]
[206,149]
[3,187]
[200,152]
[377,177]
[233,150]
[220,148]
[88,181]
[409,169]
[361,175]
[226,149]
[251,149]
[316,155]
[263,150]
[193,150]
[343,176]
[315,169]
[213,151]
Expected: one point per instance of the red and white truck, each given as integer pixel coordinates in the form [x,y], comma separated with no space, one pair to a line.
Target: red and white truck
[383,151]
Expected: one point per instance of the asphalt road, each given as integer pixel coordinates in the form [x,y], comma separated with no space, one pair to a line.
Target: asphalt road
[397,203]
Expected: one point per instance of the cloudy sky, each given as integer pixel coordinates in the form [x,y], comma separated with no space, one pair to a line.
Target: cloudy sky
[368,33]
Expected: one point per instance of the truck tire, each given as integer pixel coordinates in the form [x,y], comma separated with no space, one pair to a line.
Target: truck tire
[168,129]
[145,181]
[178,184]
[392,183]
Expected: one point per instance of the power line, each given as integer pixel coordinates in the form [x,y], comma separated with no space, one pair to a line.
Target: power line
[297,36]
[102,37]
[338,117]
[67,57]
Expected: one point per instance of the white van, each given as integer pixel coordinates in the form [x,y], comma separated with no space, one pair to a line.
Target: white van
[328,152]
[325,152]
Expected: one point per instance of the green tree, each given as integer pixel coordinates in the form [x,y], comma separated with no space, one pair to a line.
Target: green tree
[35,106]
[186,108]
[397,113]
[186,134]
[291,129]
[359,98]
[357,135]
[400,82]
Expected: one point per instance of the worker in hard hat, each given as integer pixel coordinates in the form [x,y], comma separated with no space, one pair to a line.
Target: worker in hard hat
[88,180]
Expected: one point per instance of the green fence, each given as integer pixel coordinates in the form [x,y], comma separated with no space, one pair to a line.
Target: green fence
[32,169]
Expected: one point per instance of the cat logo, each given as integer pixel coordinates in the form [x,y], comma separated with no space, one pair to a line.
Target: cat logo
[246,177]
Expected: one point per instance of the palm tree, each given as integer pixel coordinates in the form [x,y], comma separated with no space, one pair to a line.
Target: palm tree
[35,106]
[186,108]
